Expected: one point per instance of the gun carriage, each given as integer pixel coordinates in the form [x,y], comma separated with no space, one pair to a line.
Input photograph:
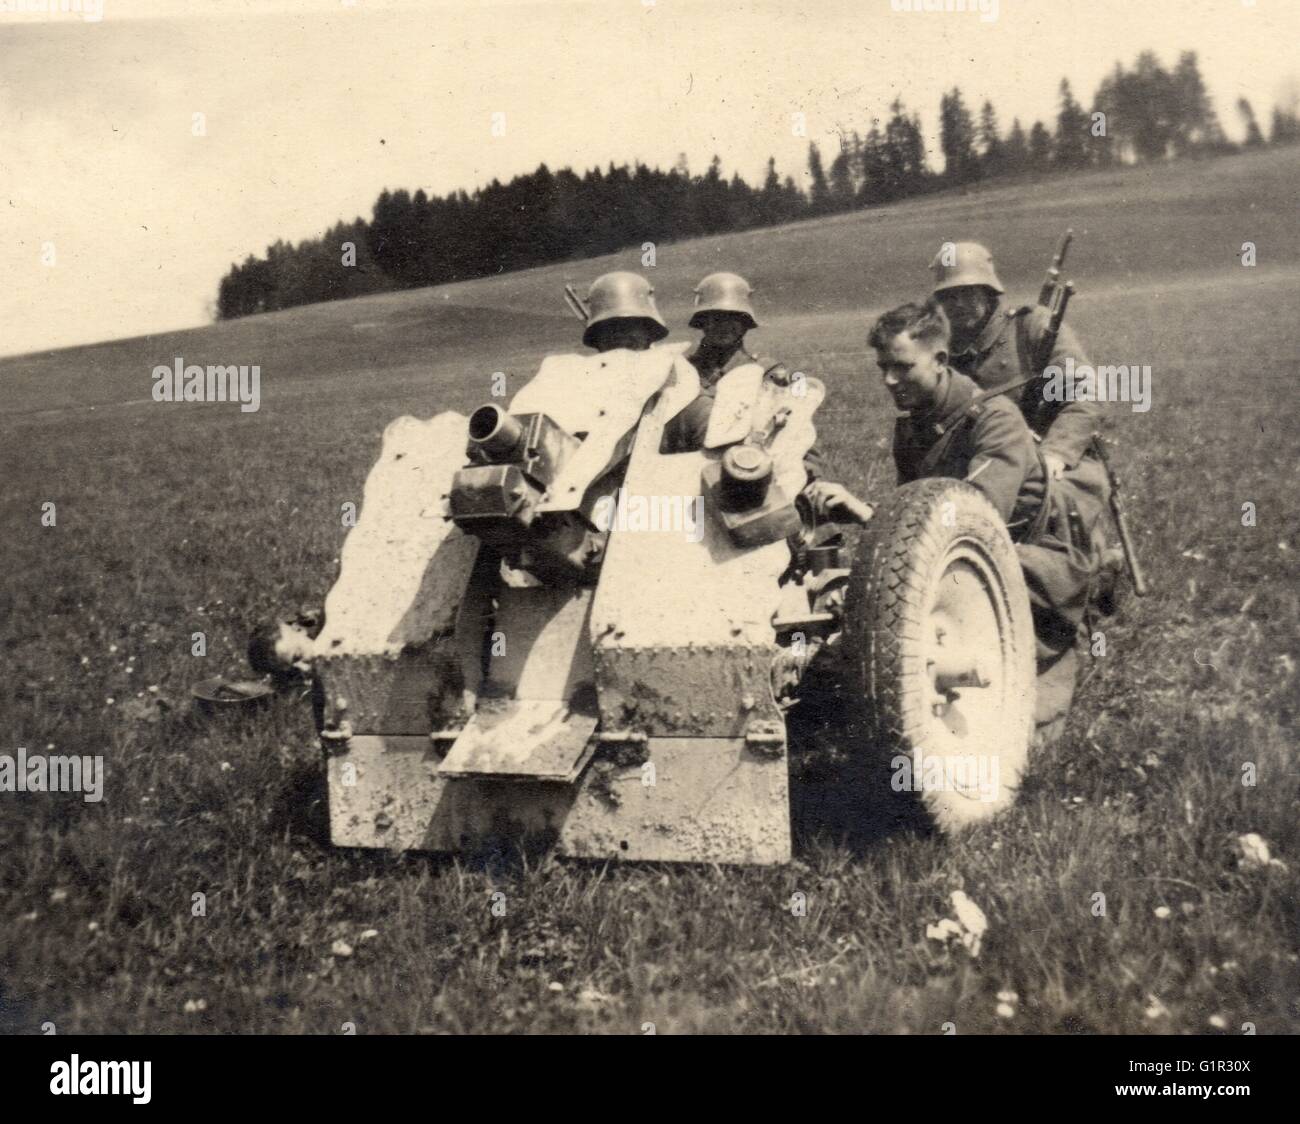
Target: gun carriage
[502,657]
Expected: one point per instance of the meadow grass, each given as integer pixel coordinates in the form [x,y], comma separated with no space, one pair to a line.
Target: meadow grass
[178,519]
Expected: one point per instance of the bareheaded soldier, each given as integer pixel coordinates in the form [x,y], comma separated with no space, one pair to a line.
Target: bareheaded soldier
[995,344]
[946,429]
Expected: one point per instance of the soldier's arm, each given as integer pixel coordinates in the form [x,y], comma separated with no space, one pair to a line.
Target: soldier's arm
[1002,451]
[1070,423]
[685,432]
[814,463]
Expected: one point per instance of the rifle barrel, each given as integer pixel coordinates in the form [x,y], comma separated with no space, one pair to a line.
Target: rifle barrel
[1063,249]
[1053,280]
[576,304]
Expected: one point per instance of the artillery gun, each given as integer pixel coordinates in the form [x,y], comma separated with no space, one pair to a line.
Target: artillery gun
[545,626]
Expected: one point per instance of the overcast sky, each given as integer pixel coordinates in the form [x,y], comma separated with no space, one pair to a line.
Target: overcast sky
[312,107]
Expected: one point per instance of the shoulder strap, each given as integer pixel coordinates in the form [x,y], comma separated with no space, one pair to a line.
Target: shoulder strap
[947,430]
[1028,371]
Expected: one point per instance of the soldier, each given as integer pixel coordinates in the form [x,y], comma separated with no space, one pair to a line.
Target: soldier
[622,313]
[995,345]
[948,429]
[723,313]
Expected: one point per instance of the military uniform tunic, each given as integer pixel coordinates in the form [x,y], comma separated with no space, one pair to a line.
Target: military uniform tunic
[714,362]
[1001,355]
[993,448]
[685,433]
[989,445]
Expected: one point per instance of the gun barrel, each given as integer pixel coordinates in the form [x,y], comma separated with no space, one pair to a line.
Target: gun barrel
[1064,248]
[493,433]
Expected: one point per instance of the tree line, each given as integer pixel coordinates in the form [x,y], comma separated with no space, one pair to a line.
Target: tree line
[1143,113]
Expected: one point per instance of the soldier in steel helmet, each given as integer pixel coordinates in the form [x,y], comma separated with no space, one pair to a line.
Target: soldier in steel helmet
[994,344]
[724,314]
[622,313]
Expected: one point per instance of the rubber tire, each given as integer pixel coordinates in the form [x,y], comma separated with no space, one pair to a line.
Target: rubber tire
[901,558]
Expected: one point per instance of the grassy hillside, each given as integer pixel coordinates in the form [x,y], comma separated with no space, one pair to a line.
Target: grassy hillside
[173,519]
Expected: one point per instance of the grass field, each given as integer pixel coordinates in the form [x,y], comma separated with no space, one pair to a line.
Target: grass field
[176,519]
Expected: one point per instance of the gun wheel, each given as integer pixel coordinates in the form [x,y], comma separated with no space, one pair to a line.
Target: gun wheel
[941,640]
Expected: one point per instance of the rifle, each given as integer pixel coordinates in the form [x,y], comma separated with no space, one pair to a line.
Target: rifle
[1057,303]
[1060,301]
[1054,297]
[576,304]
[1053,280]
[1121,519]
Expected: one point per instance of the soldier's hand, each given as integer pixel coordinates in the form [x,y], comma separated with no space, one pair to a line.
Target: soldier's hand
[1055,466]
[836,502]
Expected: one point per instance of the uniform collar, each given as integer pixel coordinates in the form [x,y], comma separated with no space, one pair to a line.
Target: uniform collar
[718,356]
[953,393]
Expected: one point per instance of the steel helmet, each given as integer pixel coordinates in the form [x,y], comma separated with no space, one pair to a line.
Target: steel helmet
[623,296]
[723,292]
[964,263]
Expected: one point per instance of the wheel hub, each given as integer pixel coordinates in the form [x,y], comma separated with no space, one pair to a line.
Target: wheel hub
[966,663]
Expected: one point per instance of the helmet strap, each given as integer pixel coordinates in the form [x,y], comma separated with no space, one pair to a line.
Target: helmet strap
[978,330]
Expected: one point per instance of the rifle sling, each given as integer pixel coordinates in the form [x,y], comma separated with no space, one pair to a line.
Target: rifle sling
[956,420]
[951,423]
[947,426]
